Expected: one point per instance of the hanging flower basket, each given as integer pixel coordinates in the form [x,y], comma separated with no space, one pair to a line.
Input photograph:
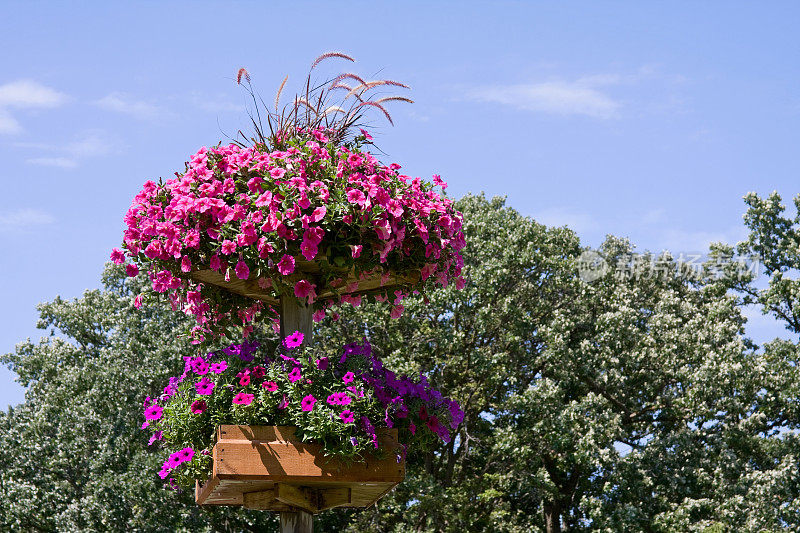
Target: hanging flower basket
[296,415]
[269,468]
[305,211]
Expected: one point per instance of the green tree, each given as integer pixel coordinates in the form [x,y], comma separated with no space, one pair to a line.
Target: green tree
[73,456]
[627,403]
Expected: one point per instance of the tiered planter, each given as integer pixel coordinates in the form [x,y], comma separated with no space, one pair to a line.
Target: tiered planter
[269,468]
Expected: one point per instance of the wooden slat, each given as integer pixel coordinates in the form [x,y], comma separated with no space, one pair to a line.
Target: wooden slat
[251,461]
[339,497]
[300,497]
[251,289]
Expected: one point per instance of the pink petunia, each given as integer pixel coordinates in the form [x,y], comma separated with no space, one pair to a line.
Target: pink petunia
[397,310]
[242,270]
[277,173]
[294,340]
[137,301]
[307,404]
[198,407]
[205,386]
[286,265]
[347,416]
[348,377]
[243,398]
[303,289]
[117,256]
[319,213]
[186,455]
[219,368]
[295,374]
[186,264]
[228,247]
[270,386]
[244,379]
[153,412]
[131,270]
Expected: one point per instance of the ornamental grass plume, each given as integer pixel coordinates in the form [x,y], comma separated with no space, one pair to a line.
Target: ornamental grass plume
[361,397]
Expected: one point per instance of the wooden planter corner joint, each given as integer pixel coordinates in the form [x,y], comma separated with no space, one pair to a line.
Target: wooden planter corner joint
[269,468]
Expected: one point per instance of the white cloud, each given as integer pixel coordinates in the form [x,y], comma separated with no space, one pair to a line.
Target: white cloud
[123,103]
[60,162]
[579,97]
[25,94]
[595,95]
[28,93]
[8,124]
[94,143]
[21,219]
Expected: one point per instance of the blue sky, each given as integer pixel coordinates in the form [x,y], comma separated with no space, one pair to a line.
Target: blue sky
[646,120]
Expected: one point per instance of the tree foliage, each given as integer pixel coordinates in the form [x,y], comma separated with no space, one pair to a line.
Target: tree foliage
[633,402]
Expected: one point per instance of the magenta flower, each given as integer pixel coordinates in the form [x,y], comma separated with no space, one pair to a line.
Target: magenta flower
[243,398]
[228,247]
[158,435]
[244,379]
[163,473]
[174,460]
[286,265]
[307,404]
[131,270]
[205,386]
[348,377]
[219,368]
[294,340]
[271,386]
[303,288]
[186,455]
[153,412]
[198,407]
[347,416]
[117,256]
[242,270]
[294,375]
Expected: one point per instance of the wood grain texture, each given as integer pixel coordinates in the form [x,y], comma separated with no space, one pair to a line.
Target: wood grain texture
[305,270]
[268,467]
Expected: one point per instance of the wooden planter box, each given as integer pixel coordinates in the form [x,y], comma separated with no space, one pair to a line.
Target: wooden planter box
[268,467]
[309,270]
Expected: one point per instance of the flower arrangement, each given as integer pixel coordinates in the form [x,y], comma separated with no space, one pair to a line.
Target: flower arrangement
[337,400]
[308,192]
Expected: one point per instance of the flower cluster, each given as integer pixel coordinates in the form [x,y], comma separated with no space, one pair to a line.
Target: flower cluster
[338,400]
[263,212]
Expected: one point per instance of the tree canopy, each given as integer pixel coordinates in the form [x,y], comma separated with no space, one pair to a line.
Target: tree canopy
[629,402]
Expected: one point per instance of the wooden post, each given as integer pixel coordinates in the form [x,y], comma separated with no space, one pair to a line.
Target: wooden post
[297,522]
[297,317]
